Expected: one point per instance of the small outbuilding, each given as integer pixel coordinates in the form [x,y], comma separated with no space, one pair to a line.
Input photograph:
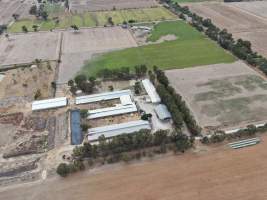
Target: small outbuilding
[162,112]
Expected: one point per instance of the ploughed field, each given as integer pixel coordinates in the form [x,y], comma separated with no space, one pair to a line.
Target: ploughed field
[246,20]
[187,48]
[221,173]
[222,95]
[99,5]
[92,19]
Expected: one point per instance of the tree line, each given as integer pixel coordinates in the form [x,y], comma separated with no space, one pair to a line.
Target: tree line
[126,147]
[176,105]
[240,48]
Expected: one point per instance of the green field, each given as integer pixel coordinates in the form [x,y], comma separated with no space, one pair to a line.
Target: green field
[92,19]
[191,48]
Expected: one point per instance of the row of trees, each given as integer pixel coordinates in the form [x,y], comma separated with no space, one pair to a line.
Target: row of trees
[123,73]
[128,146]
[177,106]
[240,48]
[220,136]
[82,82]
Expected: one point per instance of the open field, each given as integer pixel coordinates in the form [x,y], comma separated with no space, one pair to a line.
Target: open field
[220,173]
[25,48]
[92,19]
[100,5]
[80,47]
[247,20]
[8,8]
[167,54]
[222,95]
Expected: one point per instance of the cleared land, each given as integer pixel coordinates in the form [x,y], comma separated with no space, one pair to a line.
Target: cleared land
[80,47]
[221,173]
[100,5]
[92,19]
[245,20]
[191,48]
[222,95]
[8,8]
[25,48]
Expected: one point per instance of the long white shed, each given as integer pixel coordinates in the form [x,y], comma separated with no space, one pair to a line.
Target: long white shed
[49,103]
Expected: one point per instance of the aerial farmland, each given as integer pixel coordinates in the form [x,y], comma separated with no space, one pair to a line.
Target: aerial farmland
[115,99]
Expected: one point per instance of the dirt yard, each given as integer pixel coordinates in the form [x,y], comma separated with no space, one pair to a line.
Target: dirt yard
[25,48]
[8,8]
[222,95]
[218,173]
[26,81]
[80,47]
[247,20]
[100,5]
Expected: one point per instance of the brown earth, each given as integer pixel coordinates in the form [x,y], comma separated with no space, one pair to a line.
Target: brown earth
[246,20]
[220,173]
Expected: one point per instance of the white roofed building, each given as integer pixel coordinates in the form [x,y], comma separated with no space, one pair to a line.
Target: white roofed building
[49,103]
[117,129]
[151,91]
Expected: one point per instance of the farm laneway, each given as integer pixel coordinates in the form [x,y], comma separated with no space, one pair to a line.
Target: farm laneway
[221,174]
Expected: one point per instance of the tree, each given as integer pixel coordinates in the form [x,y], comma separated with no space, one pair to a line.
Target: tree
[35,27]
[74,27]
[63,169]
[79,79]
[110,21]
[33,10]
[15,16]
[84,113]
[24,29]
[71,83]
[3,28]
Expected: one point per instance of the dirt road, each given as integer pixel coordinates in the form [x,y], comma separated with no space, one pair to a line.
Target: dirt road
[221,174]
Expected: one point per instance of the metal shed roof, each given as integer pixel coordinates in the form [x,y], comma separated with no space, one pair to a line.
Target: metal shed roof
[151,91]
[110,111]
[49,103]
[126,100]
[117,129]
[162,112]
[76,132]
[101,97]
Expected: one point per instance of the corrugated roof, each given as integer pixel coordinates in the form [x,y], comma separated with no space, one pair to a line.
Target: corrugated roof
[151,91]
[162,112]
[76,132]
[110,111]
[101,97]
[49,103]
[117,129]
[126,100]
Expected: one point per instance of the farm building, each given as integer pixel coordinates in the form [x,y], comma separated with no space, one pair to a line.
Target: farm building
[117,129]
[111,111]
[102,97]
[49,103]
[162,112]
[151,91]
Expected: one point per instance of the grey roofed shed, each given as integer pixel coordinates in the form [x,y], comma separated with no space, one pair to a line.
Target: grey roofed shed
[162,112]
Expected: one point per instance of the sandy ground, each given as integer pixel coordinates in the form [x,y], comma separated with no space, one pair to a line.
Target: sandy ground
[222,95]
[9,7]
[220,173]
[25,48]
[98,5]
[247,20]
[77,48]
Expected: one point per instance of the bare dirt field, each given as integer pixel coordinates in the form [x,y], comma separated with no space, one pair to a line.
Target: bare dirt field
[222,95]
[246,20]
[100,5]
[81,46]
[219,173]
[8,8]
[25,81]
[25,48]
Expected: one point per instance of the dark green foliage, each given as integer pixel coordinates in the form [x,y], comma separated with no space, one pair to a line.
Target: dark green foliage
[63,169]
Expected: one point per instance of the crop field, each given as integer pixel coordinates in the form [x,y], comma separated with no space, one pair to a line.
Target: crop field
[215,173]
[79,47]
[8,8]
[190,48]
[246,20]
[92,19]
[25,48]
[79,6]
[222,95]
